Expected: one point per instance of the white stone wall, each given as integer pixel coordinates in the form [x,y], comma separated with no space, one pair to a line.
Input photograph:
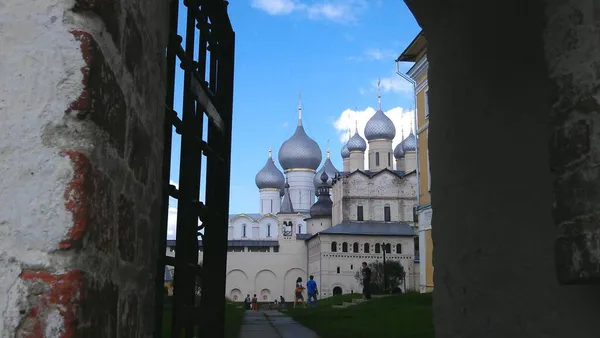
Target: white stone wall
[254,229]
[384,149]
[324,264]
[425,216]
[400,164]
[269,274]
[316,225]
[410,161]
[302,189]
[357,160]
[385,189]
[346,164]
[270,201]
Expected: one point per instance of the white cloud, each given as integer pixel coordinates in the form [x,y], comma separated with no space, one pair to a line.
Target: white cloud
[348,119]
[374,54]
[341,11]
[394,84]
[275,7]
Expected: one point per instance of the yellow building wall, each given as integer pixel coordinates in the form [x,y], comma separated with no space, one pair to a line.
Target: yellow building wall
[424,197]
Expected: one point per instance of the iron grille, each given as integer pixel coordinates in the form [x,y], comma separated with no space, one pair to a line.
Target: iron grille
[207,59]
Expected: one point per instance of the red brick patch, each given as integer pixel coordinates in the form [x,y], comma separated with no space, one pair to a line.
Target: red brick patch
[77,199]
[61,292]
[87,47]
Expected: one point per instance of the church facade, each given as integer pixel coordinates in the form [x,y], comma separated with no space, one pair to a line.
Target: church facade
[324,222]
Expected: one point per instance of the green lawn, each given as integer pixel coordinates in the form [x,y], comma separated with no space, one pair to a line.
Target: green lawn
[406,315]
[233,319]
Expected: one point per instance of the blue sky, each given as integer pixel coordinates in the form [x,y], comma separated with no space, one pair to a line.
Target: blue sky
[333,52]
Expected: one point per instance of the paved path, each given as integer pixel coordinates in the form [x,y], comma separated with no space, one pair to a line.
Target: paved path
[272,324]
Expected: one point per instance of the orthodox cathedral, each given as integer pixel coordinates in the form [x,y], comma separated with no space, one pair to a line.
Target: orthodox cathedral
[325,222]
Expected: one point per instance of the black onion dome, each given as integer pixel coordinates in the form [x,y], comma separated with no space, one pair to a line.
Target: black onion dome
[327,168]
[324,206]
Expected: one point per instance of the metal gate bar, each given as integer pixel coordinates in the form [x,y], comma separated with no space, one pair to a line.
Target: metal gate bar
[215,100]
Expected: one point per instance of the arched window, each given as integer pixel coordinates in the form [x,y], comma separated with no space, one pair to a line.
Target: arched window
[355,247]
[377,159]
[377,248]
[333,246]
[389,159]
[268,230]
[244,230]
[338,269]
[388,248]
[299,228]
[344,247]
[398,248]
[387,213]
[366,248]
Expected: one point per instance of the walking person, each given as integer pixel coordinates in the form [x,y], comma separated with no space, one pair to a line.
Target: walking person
[366,278]
[282,302]
[312,291]
[298,297]
[254,303]
[247,302]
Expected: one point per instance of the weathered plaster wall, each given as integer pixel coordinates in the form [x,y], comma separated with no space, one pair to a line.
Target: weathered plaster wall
[384,189]
[490,99]
[81,100]
[350,262]
[573,54]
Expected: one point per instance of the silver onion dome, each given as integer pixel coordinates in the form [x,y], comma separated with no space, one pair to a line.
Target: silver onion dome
[300,151]
[410,143]
[398,152]
[356,143]
[380,126]
[329,169]
[345,152]
[269,177]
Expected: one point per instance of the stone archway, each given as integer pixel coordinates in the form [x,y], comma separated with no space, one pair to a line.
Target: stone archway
[337,291]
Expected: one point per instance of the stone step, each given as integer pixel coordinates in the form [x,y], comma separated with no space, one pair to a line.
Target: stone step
[358,300]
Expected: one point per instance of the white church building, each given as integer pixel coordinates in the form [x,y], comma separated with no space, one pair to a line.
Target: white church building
[324,222]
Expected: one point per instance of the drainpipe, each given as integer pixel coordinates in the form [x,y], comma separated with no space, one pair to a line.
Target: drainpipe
[414,84]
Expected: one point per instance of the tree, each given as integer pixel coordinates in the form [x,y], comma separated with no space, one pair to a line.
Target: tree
[394,272]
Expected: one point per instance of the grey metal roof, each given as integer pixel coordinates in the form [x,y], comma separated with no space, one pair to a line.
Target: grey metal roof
[300,151]
[410,142]
[329,169]
[303,236]
[236,243]
[371,228]
[286,204]
[269,176]
[371,174]
[380,126]
[357,143]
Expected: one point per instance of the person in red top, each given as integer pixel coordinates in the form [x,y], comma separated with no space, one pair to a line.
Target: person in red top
[254,303]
